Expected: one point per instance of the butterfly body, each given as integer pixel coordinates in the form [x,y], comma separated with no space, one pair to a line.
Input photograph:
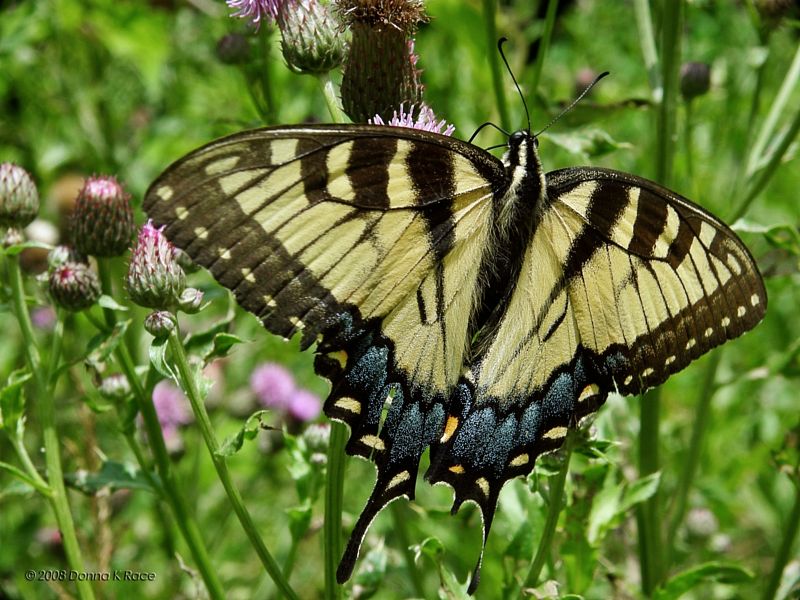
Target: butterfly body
[475,307]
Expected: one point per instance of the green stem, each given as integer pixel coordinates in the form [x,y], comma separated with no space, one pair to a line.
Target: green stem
[334,493]
[489,17]
[670,67]
[331,98]
[687,140]
[399,521]
[785,551]
[644,23]
[777,109]
[47,411]
[172,491]
[189,385]
[699,427]
[555,504]
[104,271]
[648,515]
[769,169]
[544,44]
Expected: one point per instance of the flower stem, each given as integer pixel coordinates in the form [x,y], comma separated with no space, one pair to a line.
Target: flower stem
[648,515]
[400,530]
[331,99]
[699,428]
[46,406]
[189,385]
[489,17]
[172,491]
[544,44]
[556,503]
[104,272]
[785,551]
[334,492]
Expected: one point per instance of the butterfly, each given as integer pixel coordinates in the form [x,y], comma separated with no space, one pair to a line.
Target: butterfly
[474,307]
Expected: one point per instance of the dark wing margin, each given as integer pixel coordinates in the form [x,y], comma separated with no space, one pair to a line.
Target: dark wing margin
[367,240]
[623,284]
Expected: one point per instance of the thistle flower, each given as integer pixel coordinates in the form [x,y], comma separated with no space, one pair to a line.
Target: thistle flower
[19,198]
[154,278]
[115,387]
[173,411]
[425,120]
[74,286]
[380,71]
[102,221]
[63,254]
[273,385]
[695,79]
[159,324]
[304,406]
[255,10]
[310,37]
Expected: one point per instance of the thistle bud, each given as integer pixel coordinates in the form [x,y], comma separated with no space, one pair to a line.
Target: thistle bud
[74,286]
[159,324]
[19,198]
[380,71]
[154,278]
[233,49]
[102,221]
[190,301]
[63,254]
[115,387]
[310,37]
[695,79]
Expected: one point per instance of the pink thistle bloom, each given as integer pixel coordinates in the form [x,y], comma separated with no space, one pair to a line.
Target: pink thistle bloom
[273,385]
[304,406]
[172,408]
[255,10]
[425,120]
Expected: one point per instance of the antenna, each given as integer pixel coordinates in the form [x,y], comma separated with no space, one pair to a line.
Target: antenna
[500,43]
[488,124]
[574,102]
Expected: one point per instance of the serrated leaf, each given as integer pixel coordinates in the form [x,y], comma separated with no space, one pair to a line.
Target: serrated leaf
[106,301]
[201,342]
[233,443]
[706,573]
[113,475]
[221,346]
[639,491]
[12,399]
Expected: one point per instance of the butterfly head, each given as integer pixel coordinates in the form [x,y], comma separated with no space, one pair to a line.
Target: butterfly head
[523,167]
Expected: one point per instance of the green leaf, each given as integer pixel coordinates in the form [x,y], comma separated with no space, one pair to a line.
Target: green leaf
[371,573]
[587,143]
[706,573]
[17,248]
[252,426]
[201,342]
[106,301]
[158,358]
[102,346]
[12,399]
[431,547]
[639,491]
[221,346]
[299,520]
[112,475]
[615,499]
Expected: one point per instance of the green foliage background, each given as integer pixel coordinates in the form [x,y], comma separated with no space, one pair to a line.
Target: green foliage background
[128,87]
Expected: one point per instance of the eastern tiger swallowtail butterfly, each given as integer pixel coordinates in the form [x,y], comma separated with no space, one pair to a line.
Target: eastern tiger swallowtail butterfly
[491,306]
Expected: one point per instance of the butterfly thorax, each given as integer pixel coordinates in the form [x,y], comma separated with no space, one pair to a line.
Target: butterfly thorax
[515,216]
